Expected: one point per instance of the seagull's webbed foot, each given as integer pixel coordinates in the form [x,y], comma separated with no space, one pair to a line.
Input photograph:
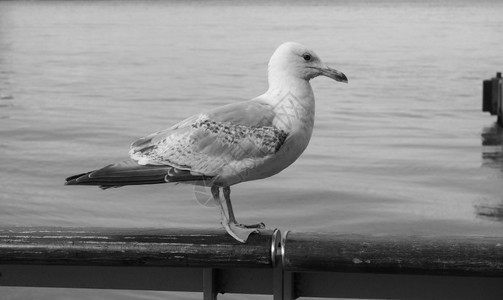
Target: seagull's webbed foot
[238,232]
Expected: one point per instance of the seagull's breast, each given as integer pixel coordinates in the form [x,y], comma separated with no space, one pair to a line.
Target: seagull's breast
[295,117]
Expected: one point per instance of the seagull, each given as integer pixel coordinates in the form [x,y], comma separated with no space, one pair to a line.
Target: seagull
[238,142]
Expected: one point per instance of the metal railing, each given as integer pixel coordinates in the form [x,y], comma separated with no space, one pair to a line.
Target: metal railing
[285,266]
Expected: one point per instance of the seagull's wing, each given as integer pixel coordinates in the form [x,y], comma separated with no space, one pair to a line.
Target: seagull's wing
[253,113]
[236,136]
[203,144]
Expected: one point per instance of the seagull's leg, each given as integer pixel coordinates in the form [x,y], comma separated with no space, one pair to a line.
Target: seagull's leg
[238,233]
[232,218]
[224,213]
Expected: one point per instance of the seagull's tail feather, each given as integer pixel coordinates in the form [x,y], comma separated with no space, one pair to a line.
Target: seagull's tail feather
[129,172]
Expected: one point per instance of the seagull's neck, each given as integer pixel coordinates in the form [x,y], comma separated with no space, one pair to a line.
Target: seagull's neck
[281,86]
[293,101]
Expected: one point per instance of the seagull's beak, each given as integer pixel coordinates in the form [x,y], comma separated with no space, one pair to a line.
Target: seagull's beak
[334,74]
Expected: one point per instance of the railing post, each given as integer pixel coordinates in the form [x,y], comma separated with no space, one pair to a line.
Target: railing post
[287,277]
[210,284]
[492,97]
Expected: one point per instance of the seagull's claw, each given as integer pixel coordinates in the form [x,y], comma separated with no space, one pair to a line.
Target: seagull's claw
[239,232]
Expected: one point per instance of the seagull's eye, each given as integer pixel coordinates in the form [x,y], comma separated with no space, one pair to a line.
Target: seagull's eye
[306,57]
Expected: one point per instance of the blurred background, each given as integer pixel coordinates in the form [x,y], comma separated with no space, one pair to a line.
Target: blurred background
[402,149]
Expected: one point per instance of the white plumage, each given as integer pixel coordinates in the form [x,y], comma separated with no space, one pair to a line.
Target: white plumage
[230,144]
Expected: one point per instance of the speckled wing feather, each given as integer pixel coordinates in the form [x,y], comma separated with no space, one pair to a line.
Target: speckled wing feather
[206,143]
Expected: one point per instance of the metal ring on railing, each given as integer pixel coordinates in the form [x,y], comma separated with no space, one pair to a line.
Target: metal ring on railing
[275,244]
[283,246]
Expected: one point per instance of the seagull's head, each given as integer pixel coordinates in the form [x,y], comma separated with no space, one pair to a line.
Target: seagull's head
[294,59]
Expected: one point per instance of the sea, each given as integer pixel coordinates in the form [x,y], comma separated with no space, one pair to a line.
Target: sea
[402,149]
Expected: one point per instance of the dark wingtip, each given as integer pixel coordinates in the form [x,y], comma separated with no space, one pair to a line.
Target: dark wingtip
[344,78]
[73,180]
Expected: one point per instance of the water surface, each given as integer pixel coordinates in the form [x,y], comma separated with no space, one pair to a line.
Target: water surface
[402,149]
